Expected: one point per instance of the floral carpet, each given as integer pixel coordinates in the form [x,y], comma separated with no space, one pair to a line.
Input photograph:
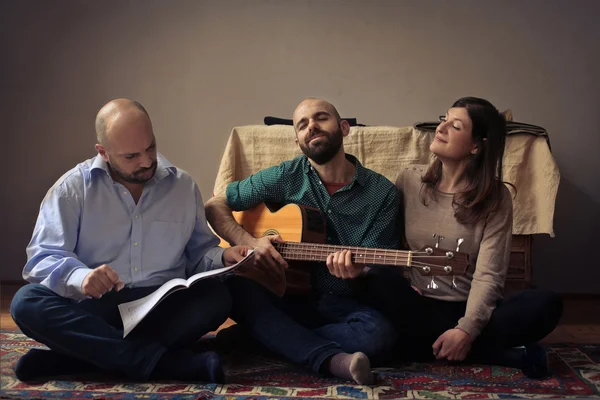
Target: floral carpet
[575,368]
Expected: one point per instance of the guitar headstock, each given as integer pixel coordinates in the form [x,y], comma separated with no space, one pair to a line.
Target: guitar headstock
[434,261]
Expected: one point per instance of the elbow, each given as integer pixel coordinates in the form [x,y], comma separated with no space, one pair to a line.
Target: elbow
[212,206]
[209,205]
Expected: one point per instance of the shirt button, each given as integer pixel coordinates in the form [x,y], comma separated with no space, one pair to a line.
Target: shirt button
[329,211]
[136,216]
[136,244]
[124,191]
[328,237]
[135,269]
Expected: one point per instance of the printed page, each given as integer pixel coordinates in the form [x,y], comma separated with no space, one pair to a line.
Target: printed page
[133,312]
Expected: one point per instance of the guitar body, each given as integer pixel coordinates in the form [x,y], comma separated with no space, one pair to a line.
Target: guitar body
[294,223]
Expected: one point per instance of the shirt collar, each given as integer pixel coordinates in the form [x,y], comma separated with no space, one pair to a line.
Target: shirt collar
[163,169]
[359,173]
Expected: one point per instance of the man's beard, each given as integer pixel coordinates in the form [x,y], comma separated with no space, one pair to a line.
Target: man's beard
[136,177]
[324,151]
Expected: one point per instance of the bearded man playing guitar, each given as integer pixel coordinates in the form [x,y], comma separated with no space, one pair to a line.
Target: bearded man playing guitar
[325,329]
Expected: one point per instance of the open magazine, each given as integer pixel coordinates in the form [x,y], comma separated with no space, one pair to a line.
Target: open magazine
[133,312]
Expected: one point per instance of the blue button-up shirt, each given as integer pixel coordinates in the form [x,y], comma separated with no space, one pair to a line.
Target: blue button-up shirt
[87,219]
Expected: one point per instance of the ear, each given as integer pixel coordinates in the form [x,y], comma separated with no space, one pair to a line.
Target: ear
[475,147]
[102,151]
[345,127]
[297,143]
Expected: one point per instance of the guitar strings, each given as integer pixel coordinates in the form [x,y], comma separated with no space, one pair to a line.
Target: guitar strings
[329,247]
[322,251]
[357,251]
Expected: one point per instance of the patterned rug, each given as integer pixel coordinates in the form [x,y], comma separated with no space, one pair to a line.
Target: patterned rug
[576,371]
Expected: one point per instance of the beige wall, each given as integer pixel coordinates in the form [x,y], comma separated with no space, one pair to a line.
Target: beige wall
[202,67]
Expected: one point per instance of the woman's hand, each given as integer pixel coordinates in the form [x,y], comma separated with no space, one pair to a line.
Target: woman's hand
[453,345]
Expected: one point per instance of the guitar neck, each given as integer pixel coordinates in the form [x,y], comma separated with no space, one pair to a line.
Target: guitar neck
[295,251]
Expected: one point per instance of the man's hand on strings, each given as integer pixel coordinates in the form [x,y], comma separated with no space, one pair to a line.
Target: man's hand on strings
[267,258]
[340,265]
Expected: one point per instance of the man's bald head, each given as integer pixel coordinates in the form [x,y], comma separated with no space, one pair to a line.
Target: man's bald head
[319,130]
[126,141]
[315,102]
[113,110]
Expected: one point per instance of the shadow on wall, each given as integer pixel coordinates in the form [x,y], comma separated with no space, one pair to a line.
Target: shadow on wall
[561,263]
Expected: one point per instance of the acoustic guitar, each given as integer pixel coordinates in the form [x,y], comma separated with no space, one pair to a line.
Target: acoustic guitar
[304,231]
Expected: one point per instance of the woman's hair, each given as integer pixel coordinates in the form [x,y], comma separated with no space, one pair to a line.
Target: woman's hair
[483,174]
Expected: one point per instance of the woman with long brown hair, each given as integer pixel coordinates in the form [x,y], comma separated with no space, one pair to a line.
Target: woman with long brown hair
[461,200]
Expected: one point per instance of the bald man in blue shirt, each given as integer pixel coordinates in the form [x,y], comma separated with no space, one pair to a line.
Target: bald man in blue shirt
[112,230]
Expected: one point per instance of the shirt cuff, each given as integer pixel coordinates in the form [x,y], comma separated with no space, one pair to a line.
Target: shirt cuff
[468,326]
[75,281]
[216,256]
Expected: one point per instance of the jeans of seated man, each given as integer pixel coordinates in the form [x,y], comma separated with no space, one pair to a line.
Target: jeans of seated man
[92,331]
[308,330]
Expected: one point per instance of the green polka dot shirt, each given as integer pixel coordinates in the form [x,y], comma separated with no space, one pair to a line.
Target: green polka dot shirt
[363,213]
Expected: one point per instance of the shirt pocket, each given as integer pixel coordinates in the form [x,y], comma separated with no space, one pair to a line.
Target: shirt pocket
[165,243]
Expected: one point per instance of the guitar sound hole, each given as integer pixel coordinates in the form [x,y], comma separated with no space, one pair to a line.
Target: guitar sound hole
[270,232]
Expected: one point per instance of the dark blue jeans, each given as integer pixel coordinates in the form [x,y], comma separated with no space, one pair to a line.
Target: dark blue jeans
[521,319]
[308,330]
[92,331]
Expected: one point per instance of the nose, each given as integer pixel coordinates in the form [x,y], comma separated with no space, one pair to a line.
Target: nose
[146,161]
[441,127]
[312,125]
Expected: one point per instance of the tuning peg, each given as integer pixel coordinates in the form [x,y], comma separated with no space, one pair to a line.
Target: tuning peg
[432,284]
[438,239]
[459,241]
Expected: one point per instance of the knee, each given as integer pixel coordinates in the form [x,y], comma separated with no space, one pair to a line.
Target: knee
[26,307]
[546,305]
[551,306]
[544,309]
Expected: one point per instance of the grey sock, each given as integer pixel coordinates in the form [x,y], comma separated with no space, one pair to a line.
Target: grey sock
[356,367]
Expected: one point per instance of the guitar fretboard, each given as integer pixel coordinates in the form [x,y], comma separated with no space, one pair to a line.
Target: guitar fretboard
[360,255]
